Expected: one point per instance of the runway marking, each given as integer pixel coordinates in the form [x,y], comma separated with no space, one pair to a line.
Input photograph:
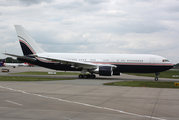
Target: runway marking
[13,102]
[80,103]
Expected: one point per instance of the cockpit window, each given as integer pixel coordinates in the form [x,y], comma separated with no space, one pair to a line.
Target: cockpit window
[165,60]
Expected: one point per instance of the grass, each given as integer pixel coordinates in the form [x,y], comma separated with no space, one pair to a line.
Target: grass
[46,73]
[165,74]
[15,78]
[19,78]
[144,84]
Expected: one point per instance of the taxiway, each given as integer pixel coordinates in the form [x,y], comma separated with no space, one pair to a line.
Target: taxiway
[85,99]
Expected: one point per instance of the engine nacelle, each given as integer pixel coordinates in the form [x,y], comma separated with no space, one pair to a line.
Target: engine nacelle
[105,71]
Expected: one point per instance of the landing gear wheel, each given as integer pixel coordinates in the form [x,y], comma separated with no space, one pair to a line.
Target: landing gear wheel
[81,76]
[85,76]
[156,78]
[93,76]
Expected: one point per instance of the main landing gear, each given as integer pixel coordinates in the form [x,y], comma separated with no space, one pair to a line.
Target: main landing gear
[156,76]
[86,76]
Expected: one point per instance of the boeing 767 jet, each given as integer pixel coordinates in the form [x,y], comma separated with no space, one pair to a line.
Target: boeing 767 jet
[93,63]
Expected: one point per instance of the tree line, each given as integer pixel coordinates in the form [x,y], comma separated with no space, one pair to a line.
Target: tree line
[176,66]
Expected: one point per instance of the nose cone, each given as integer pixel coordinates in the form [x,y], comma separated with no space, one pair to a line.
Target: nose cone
[169,65]
[172,65]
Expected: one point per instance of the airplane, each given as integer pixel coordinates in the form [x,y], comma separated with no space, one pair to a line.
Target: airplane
[102,64]
[14,65]
[3,63]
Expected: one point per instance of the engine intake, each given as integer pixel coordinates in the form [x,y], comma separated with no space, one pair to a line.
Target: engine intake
[105,71]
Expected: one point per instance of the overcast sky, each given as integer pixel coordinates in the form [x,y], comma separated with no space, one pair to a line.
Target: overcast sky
[93,26]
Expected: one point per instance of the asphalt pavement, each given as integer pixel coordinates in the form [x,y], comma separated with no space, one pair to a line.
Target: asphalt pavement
[85,99]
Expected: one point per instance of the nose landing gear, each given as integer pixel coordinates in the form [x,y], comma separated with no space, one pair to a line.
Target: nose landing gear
[156,76]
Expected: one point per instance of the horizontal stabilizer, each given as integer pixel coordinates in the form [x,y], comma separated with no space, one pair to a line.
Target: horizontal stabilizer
[22,57]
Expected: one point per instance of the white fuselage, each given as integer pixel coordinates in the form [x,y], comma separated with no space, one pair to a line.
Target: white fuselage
[110,58]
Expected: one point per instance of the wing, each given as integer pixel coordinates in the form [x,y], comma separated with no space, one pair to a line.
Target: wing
[75,64]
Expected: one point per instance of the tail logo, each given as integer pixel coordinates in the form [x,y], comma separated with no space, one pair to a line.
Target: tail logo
[26,48]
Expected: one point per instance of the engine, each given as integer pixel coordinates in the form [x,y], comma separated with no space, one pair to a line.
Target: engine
[105,71]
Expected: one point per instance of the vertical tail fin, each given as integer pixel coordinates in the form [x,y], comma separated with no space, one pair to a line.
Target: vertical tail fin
[28,44]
